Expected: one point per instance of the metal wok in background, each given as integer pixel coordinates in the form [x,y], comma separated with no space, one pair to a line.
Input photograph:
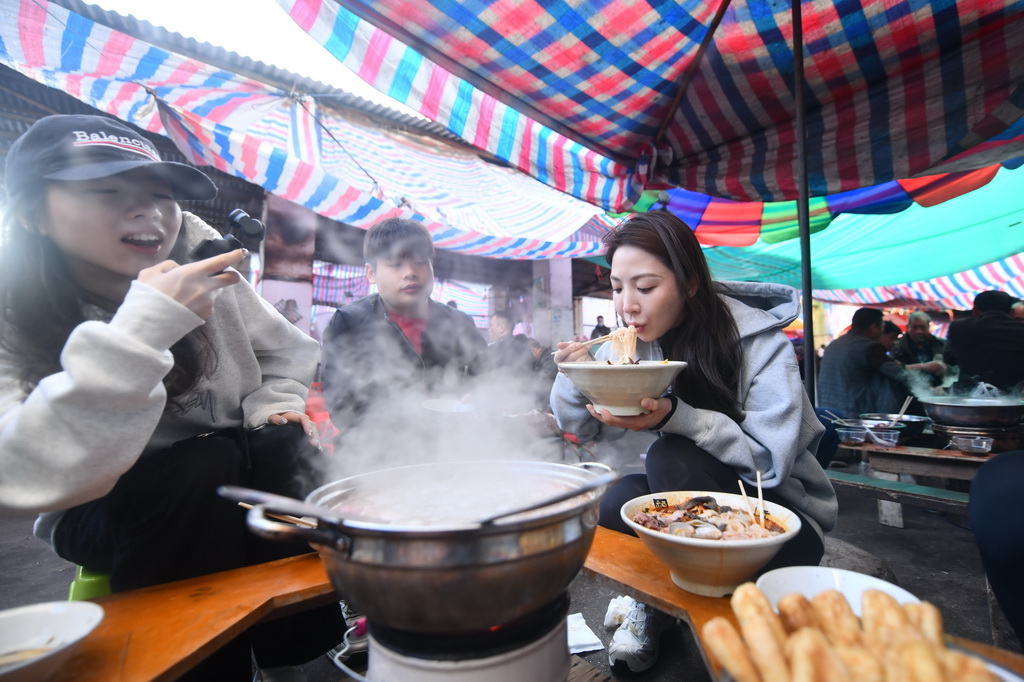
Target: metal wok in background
[977,412]
[404,546]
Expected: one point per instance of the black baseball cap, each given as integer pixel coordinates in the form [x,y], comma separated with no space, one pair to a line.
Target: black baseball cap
[83,147]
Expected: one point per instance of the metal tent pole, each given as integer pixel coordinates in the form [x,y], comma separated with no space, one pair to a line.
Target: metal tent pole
[803,211]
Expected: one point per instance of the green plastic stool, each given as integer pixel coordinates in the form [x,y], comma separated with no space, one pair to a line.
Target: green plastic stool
[88,585]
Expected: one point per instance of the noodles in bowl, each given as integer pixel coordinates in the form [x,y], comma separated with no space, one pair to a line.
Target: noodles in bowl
[618,389]
[712,566]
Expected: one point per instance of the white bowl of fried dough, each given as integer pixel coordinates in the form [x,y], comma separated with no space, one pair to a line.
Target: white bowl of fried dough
[810,580]
[820,638]
[618,389]
[710,567]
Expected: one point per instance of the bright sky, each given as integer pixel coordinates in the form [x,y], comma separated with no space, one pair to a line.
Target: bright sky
[258,29]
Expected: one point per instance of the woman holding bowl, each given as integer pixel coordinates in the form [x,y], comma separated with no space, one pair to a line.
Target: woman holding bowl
[738,409]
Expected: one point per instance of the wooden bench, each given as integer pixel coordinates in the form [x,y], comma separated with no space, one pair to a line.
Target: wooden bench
[161,632]
[936,499]
[889,463]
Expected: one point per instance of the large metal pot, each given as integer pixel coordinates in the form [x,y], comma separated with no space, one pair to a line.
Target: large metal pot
[978,412]
[404,546]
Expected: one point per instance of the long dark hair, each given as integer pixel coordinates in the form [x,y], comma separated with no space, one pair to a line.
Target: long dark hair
[41,304]
[708,340]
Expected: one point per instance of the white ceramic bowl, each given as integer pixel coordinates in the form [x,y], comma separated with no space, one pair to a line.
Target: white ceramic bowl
[57,627]
[810,580]
[712,568]
[620,388]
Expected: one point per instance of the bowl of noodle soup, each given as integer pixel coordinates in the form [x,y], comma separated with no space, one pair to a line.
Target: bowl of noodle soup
[711,566]
[618,389]
[617,385]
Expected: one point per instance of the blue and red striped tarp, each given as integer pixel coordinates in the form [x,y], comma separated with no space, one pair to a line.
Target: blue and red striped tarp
[940,293]
[340,167]
[576,93]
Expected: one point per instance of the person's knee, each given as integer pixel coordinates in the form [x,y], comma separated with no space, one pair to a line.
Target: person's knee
[996,487]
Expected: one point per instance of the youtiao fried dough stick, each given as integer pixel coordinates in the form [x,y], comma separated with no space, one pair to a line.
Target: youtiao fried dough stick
[822,640]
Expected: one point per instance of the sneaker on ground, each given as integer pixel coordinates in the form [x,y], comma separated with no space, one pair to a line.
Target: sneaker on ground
[634,646]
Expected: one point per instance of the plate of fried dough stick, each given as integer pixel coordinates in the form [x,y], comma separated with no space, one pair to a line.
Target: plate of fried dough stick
[819,638]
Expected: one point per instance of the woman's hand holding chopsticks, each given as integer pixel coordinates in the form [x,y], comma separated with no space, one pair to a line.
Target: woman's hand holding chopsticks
[572,351]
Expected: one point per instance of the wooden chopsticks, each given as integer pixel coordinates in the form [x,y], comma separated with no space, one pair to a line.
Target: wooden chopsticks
[591,342]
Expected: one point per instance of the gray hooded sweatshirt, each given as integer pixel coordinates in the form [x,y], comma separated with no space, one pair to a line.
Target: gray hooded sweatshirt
[779,433]
[70,439]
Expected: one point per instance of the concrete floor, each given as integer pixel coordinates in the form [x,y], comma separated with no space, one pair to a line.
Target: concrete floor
[932,557]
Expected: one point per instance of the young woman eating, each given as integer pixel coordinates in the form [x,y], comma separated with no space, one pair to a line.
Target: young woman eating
[737,409]
[133,383]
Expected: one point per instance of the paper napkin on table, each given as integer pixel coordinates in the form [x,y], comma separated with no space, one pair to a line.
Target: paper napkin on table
[581,637]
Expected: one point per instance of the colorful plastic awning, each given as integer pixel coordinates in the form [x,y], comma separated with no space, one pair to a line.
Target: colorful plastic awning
[604,98]
[341,167]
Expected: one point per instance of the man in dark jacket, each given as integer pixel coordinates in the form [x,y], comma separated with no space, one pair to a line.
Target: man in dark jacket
[919,346]
[988,346]
[396,342]
[857,375]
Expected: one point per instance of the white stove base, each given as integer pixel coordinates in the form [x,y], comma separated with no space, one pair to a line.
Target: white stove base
[544,660]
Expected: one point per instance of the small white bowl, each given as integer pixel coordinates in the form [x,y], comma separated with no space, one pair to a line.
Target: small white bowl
[712,568]
[810,580]
[618,389]
[57,627]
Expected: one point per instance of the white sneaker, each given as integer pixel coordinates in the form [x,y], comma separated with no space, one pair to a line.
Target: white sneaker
[634,646]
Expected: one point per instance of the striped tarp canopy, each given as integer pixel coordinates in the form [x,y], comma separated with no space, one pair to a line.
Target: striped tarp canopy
[604,98]
[955,292]
[344,168]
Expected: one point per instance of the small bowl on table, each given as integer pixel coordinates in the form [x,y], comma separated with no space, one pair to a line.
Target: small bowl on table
[851,436]
[884,439]
[711,568]
[618,389]
[876,426]
[36,640]
[913,425]
[973,445]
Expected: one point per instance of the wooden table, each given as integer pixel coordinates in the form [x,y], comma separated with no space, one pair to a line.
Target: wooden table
[903,459]
[889,463]
[158,633]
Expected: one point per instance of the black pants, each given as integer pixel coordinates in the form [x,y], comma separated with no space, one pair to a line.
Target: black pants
[164,521]
[995,517]
[675,462]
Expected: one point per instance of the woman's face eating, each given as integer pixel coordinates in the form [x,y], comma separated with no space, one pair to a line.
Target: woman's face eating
[111,228]
[645,293]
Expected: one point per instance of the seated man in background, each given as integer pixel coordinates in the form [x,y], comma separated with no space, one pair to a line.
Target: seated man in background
[891,334]
[505,354]
[396,342]
[919,347]
[857,375]
[989,346]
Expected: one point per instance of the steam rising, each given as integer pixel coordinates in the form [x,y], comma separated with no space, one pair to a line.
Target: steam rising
[488,417]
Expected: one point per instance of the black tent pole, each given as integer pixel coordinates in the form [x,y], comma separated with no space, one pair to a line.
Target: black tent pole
[802,210]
